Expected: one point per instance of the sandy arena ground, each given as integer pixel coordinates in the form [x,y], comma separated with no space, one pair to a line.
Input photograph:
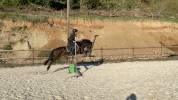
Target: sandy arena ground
[154,80]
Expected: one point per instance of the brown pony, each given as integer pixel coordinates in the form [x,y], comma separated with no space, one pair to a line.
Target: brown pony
[82,48]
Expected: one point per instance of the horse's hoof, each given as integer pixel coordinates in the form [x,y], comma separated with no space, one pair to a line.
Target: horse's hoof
[86,68]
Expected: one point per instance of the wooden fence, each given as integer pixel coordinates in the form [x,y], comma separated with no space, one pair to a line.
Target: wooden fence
[34,56]
[23,56]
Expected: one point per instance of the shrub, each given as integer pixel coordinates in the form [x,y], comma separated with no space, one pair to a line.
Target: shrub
[18,28]
[1,24]
[8,47]
[57,5]
[23,2]
[40,2]
[9,3]
[130,4]
[75,4]
[92,4]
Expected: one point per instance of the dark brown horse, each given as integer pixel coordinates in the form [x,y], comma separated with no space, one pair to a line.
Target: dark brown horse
[83,47]
[57,53]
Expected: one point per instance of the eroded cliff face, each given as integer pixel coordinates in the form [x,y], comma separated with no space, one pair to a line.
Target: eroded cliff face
[41,35]
[113,33]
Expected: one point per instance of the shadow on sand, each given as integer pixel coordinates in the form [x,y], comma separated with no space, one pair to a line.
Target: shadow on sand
[58,69]
[85,64]
[90,63]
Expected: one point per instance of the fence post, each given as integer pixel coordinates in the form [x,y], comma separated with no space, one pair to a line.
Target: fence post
[133,52]
[161,50]
[33,58]
[101,51]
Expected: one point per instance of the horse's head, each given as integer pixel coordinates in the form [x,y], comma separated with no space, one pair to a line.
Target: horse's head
[74,30]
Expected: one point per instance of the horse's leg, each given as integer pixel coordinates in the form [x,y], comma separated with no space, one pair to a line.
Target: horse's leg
[86,68]
[71,59]
[90,55]
[85,53]
[49,65]
[67,60]
[89,52]
[79,73]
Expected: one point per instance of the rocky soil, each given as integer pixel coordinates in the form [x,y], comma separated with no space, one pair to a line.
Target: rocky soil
[154,80]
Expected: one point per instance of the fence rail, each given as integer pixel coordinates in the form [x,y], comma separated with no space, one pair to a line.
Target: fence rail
[34,56]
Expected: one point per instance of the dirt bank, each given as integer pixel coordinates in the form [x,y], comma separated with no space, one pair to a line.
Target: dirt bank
[113,33]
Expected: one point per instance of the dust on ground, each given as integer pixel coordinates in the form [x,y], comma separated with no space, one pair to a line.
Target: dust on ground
[153,80]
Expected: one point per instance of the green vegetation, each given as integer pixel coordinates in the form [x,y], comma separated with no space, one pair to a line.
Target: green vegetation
[56,4]
[8,47]
[22,40]
[130,9]
[152,5]
[1,24]
[19,28]
[26,17]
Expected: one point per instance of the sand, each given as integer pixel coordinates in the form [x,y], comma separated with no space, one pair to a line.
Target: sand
[153,80]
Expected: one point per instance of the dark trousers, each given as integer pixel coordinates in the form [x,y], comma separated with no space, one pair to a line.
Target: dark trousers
[71,47]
